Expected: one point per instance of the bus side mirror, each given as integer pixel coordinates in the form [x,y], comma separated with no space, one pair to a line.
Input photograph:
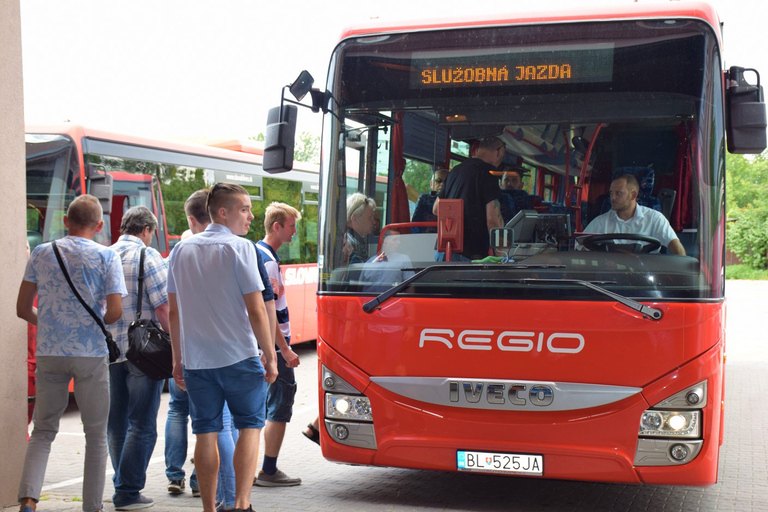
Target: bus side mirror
[744,112]
[279,139]
[100,186]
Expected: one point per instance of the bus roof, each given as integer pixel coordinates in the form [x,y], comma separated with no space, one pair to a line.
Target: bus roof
[673,9]
[218,148]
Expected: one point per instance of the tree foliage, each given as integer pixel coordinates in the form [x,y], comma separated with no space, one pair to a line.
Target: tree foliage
[747,204]
[307,148]
[417,174]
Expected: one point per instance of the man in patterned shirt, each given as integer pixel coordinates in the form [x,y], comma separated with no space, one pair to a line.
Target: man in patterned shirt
[70,345]
[135,398]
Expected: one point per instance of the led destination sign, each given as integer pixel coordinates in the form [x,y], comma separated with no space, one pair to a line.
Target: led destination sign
[592,63]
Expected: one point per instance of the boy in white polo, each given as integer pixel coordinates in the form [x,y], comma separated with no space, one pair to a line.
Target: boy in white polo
[216,308]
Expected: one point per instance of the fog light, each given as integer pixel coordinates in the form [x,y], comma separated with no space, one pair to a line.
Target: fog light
[329,382]
[679,452]
[342,432]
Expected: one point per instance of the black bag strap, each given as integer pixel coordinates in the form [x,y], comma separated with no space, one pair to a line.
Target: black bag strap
[141,283]
[77,294]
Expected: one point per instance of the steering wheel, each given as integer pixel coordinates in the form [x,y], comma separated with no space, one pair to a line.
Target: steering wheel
[604,243]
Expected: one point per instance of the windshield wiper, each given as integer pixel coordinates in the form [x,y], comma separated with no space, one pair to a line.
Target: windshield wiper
[374,303]
[647,311]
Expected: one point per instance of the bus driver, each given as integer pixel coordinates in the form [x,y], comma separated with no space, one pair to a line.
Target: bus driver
[626,216]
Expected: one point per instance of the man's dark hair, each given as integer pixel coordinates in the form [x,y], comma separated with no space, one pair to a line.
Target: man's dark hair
[222,195]
[195,206]
[520,171]
[631,179]
[136,219]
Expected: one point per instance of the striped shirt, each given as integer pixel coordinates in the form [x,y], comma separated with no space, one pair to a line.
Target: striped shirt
[272,264]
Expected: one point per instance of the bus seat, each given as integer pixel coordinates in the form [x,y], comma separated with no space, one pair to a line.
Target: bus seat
[646,178]
[512,201]
[667,201]
[34,238]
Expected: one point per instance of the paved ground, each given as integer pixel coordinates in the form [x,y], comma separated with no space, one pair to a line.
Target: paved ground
[743,480]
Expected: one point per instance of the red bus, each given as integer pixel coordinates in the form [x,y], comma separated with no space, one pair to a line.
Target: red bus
[601,365]
[123,171]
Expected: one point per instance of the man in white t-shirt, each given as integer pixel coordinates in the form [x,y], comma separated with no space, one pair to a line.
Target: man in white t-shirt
[626,216]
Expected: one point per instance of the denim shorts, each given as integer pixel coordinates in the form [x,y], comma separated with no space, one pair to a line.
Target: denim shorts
[243,387]
[281,393]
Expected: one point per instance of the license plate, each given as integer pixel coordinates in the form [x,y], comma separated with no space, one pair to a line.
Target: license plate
[506,463]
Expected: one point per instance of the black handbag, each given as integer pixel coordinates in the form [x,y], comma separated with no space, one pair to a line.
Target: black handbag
[112,348]
[149,346]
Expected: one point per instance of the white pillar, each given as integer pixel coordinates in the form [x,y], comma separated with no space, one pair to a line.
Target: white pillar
[13,333]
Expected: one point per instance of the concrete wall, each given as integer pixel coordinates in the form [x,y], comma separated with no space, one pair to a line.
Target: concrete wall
[13,332]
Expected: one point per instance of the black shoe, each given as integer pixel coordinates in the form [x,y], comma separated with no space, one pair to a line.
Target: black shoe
[176,486]
[314,434]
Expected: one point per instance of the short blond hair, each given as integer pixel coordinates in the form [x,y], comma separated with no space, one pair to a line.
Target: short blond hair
[279,212]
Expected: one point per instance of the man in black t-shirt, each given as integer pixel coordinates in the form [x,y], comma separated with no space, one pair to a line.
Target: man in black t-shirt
[473,182]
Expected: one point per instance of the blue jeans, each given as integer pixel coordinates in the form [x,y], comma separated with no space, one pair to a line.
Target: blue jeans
[132,428]
[176,435]
[225,490]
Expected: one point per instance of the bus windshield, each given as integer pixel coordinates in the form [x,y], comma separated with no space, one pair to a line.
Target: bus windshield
[53,182]
[574,104]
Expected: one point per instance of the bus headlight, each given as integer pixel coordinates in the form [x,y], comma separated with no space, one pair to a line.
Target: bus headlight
[684,424]
[348,407]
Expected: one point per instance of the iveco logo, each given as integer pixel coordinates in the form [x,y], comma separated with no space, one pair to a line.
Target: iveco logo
[508,341]
[499,393]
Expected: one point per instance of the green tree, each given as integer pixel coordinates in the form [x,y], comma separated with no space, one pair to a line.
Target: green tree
[307,148]
[747,203]
[417,174]
[747,180]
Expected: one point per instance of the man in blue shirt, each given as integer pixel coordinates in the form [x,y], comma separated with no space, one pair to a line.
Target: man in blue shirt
[218,323]
[71,345]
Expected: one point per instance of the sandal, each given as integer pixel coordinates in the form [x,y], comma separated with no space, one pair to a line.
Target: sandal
[314,436]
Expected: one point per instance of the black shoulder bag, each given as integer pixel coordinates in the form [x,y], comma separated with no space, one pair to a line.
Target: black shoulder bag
[149,346]
[114,350]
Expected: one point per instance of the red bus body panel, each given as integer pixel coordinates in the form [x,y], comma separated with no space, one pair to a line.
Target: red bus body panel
[697,10]
[300,291]
[620,349]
